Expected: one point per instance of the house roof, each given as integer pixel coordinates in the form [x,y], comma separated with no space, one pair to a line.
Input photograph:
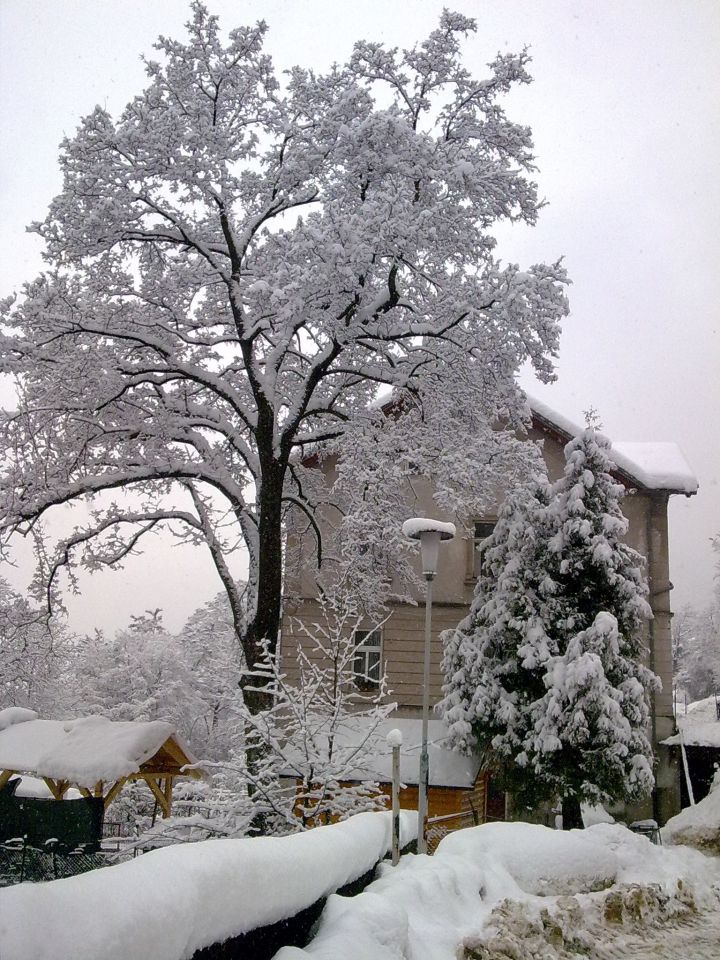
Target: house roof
[84,751]
[447,768]
[700,726]
[653,465]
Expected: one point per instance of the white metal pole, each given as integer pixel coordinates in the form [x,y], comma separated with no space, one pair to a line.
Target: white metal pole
[686,769]
[424,763]
[395,804]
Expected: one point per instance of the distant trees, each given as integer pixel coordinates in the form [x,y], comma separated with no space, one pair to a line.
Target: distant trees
[545,675]
[696,644]
[33,656]
[696,648]
[234,268]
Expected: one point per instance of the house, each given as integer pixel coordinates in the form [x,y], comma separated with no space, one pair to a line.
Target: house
[651,473]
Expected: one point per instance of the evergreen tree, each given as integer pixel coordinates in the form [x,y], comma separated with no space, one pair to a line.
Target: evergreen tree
[545,674]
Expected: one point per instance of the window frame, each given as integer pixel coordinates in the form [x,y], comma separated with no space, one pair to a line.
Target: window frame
[363,681]
[473,555]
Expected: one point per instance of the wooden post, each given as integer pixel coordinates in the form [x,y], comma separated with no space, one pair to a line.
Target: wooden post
[4,777]
[168,796]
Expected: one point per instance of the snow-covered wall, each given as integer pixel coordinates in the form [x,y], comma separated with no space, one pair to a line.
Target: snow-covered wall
[169,903]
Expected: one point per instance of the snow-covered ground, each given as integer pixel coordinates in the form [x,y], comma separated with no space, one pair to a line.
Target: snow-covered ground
[504,890]
[523,891]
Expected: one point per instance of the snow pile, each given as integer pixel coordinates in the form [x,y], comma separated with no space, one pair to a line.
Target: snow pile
[82,751]
[542,861]
[423,909]
[698,826]
[474,893]
[169,903]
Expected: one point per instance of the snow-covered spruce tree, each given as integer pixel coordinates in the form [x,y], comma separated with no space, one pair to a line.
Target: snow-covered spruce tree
[569,685]
[492,663]
[236,264]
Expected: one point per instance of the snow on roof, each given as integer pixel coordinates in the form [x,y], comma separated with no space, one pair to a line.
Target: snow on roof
[447,768]
[654,465]
[82,751]
[700,725]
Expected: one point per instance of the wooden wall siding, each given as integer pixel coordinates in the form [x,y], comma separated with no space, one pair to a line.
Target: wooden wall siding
[403,647]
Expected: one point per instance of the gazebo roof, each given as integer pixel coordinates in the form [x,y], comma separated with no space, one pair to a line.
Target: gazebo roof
[89,750]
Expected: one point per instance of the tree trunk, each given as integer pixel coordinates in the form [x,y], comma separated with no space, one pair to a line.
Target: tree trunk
[571,814]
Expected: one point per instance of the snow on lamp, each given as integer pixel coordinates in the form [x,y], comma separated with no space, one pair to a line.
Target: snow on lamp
[429,533]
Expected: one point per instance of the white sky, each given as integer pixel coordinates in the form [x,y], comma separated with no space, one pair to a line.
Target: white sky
[624,112]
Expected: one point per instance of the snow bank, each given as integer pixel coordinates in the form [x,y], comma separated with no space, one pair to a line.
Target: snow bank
[698,826]
[428,908]
[542,861]
[169,903]
[423,909]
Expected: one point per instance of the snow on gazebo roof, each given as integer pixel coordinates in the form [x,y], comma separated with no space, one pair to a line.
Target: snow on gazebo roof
[84,751]
[654,465]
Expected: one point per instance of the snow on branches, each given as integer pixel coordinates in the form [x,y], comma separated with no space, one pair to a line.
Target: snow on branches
[545,674]
[236,264]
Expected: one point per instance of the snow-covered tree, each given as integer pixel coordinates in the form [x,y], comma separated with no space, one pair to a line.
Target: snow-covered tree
[139,674]
[234,267]
[33,657]
[696,650]
[319,738]
[546,673]
[208,646]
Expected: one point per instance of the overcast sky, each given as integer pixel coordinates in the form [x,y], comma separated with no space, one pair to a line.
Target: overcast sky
[624,112]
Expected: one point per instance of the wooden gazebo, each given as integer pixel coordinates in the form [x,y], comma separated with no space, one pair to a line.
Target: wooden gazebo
[96,755]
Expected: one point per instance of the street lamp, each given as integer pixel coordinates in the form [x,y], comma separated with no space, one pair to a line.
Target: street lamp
[429,533]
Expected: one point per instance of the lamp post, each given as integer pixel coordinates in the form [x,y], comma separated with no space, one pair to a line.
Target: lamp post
[429,533]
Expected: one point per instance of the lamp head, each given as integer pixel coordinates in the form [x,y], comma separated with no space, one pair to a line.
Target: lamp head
[429,533]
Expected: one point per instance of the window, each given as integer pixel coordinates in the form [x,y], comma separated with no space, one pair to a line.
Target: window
[483,529]
[367,660]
